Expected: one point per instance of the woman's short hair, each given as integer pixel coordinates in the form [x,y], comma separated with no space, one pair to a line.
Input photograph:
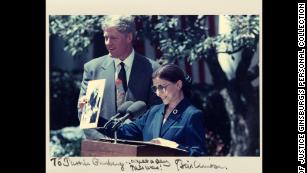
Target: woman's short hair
[174,73]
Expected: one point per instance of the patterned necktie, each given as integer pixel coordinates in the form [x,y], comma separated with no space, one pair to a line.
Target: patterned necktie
[121,85]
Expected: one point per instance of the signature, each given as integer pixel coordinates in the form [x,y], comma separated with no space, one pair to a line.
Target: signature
[187,164]
[135,165]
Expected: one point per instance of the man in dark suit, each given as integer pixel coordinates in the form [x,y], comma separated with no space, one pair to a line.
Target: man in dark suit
[128,74]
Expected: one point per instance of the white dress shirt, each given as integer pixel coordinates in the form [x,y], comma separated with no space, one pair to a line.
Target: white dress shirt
[128,66]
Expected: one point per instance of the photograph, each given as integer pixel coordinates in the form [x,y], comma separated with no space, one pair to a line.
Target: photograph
[212,59]
[171,85]
[91,109]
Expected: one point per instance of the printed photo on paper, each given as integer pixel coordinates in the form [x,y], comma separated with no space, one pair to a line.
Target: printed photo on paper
[91,110]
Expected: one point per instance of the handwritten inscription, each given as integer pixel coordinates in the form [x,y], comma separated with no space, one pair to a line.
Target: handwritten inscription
[98,162]
[136,165]
[66,162]
[187,164]
[148,164]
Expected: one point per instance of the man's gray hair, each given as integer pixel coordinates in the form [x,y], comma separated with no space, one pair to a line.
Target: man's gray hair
[124,24]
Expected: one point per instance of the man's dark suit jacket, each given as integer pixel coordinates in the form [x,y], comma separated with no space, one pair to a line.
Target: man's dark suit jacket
[184,126]
[139,85]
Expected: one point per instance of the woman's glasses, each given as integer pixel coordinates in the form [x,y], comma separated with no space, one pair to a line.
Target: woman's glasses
[159,88]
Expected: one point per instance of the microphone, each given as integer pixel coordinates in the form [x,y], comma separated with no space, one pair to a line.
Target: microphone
[135,109]
[122,109]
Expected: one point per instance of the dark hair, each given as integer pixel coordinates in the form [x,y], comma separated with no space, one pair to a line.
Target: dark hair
[173,73]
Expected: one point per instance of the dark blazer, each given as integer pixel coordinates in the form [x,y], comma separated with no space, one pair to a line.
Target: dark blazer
[139,86]
[184,126]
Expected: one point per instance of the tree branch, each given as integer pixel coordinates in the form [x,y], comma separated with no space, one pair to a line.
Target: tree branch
[232,52]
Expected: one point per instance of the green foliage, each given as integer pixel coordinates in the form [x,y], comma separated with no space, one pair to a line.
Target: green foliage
[166,33]
[66,142]
[175,36]
[188,36]
[64,92]
[244,32]
[77,31]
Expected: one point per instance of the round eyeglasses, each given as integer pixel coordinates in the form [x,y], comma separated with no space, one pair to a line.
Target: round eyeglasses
[159,88]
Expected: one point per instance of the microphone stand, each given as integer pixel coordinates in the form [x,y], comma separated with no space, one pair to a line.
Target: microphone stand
[115,137]
[117,123]
[115,132]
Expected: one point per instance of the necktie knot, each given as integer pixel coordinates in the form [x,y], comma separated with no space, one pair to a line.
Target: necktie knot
[122,64]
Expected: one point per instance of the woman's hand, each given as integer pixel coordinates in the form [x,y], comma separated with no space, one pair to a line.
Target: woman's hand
[82,101]
[164,142]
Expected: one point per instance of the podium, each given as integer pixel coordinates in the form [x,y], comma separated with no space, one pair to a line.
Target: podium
[107,148]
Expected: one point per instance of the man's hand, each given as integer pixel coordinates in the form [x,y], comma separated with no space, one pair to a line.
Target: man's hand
[164,142]
[82,101]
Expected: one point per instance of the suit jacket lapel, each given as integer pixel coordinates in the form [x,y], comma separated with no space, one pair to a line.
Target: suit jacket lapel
[174,115]
[135,76]
[107,72]
[157,122]
[169,122]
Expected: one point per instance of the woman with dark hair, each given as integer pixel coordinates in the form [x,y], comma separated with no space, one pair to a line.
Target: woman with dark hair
[176,122]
